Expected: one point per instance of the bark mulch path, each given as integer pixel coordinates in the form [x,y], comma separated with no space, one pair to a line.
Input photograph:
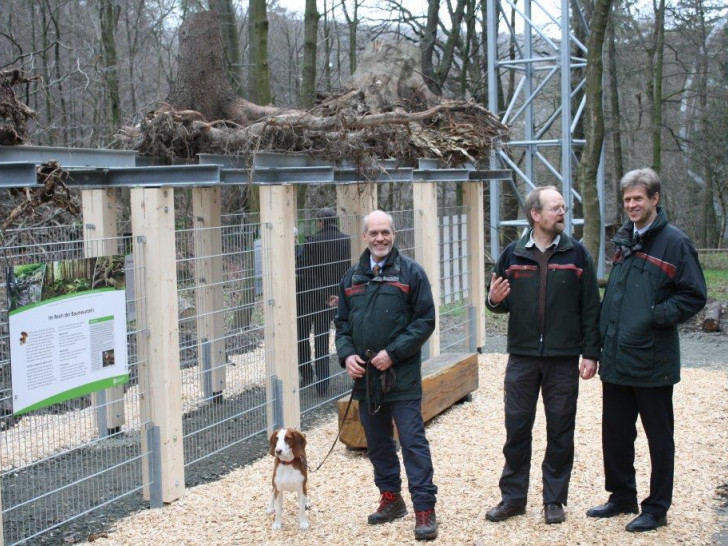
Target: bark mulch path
[466,444]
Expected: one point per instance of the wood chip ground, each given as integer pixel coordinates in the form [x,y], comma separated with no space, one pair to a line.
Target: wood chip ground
[466,445]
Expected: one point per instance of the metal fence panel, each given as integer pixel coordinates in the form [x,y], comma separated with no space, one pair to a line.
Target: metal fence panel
[57,464]
[223,376]
[455,317]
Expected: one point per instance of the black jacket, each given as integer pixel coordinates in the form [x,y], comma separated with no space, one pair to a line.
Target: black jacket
[321,262]
[572,301]
[393,311]
[655,284]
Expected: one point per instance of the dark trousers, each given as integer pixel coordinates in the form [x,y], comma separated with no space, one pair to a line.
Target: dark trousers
[558,380]
[619,417]
[382,451]
[320,319]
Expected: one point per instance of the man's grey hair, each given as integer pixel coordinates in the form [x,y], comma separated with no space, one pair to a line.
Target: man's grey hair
[365,221]
[647,178]
[533,201]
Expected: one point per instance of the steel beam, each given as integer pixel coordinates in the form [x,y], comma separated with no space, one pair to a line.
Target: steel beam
[68,157]
[18,175]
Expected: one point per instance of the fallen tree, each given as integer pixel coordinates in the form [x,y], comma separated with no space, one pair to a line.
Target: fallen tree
[14,115]
[387,111]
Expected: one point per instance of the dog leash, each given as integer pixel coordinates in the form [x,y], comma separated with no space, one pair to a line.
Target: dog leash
[338,434]
[387,382]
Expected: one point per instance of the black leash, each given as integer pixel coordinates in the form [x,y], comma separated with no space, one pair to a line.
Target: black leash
[343,420]
[374,402]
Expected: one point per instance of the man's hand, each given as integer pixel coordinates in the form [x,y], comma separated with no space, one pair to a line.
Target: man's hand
[587,368]
[499,289]
[332,301]
[381,361]
[355,366]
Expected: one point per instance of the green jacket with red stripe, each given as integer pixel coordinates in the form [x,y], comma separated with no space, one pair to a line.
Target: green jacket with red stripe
[656,283]
[394,311]
[572,301]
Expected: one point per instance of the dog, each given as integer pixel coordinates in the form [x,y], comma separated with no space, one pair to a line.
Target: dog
[290,473]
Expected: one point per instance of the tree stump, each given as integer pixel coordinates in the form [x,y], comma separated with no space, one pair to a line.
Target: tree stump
[711,320]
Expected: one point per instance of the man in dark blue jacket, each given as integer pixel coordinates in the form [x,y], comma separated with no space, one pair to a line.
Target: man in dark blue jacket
[547,283]
[655,284]
[385,315]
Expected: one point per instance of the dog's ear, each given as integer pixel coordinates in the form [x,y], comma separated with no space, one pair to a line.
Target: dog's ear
[273,440]
[299,443]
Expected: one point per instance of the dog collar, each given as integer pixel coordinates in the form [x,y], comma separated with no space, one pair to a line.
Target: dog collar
[290,462]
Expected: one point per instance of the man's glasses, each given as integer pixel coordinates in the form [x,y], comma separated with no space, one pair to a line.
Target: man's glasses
[559,210]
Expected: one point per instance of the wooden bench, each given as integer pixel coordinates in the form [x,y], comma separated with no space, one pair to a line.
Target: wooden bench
[446,379]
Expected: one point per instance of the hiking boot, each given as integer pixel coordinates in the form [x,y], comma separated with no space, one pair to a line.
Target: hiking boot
[391,507]
[425,524]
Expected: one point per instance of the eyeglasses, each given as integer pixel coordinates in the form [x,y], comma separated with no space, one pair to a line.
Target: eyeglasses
[559,209]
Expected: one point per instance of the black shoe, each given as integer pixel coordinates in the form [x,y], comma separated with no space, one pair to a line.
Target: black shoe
[425,525]
[504,511]
[554,513]
[612,509]
[391,507]
[646,522]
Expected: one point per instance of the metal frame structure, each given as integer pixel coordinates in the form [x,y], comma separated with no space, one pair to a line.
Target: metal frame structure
[541,63]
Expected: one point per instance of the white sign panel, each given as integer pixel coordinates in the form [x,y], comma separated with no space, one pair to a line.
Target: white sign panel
[67,346]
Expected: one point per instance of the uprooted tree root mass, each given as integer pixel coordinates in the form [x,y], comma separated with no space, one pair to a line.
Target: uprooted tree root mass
[386,112]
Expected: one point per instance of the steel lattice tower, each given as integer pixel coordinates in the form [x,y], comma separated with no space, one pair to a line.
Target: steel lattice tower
[549,77]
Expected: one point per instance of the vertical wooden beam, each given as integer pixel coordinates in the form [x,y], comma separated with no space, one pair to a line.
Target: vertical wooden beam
[473,200]
[427,247]
[159,374]
[209,291]
[100,218]
[278,218]
[354,201]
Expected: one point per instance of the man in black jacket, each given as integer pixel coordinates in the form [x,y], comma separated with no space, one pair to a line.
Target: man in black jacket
[547,282]
[385,315]
[656,283]
[321,262]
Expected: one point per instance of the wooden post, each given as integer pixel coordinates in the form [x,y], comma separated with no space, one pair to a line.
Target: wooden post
[100,219]
[354,201]
[209,293]
[427,248]
[278,218]
[473,200]
[159,373]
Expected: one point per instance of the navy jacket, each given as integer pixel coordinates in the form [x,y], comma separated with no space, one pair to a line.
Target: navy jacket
[655,284]
[392,311]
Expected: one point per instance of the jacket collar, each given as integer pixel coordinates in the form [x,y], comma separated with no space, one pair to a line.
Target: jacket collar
[391,266]
[563,244]
[624,236]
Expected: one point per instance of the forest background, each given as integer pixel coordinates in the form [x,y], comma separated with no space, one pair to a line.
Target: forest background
[660,68]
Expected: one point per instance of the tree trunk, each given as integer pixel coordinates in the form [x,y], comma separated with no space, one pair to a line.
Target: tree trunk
[616,115]
[659,56]
[109,16]
[201,82]
[353,24]
[259,83]
[310,36]
[711,322]
[593,126]
[429,39]
[231,45]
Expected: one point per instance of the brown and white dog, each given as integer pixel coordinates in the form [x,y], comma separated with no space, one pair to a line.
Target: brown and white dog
[290,473]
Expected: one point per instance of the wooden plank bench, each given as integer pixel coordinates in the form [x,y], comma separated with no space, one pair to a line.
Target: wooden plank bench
[446,379]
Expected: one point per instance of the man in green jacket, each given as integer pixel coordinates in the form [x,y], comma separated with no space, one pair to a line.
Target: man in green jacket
[655,284]
[547,282]
[385,315]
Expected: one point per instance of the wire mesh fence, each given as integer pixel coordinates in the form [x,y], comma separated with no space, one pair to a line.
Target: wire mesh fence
[69,458]
[221,327]
[455,315]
